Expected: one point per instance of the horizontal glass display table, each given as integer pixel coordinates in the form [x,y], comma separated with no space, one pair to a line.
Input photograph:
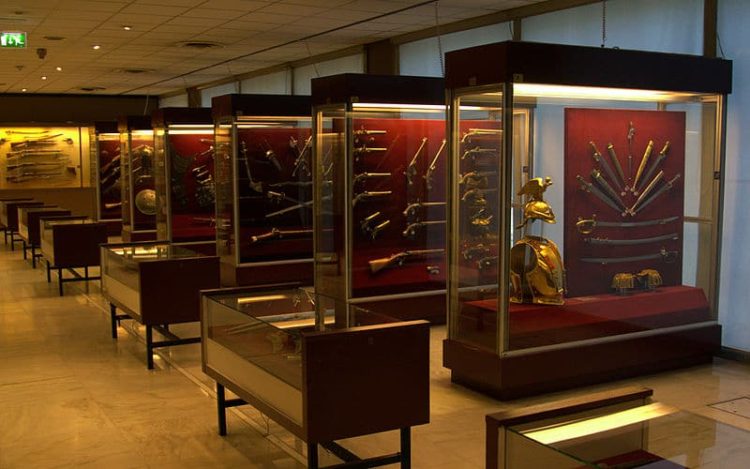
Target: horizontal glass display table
[320,368]
[156,284]
[618,435]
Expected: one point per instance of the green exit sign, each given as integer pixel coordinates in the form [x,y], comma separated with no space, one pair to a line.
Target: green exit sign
[12,39]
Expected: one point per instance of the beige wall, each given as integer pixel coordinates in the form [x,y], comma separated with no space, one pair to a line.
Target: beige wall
[80,201]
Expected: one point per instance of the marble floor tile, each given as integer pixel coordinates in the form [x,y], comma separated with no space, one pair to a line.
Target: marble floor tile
[71,396]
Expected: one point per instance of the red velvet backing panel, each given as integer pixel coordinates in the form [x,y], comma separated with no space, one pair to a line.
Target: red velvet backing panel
[603,126]
[592,316]
[108,150]
[402,139]
[185,207]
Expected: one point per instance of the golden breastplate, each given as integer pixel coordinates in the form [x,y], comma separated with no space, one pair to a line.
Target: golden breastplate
[536,271]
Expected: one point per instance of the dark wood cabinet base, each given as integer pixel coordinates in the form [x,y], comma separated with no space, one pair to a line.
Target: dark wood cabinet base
[556,369]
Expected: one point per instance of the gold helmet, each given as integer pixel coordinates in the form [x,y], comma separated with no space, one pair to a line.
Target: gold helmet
[537,210]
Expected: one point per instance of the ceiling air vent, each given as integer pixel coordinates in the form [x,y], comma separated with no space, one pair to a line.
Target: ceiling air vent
[54,38]
[92,88]
[136,71]
[199,44]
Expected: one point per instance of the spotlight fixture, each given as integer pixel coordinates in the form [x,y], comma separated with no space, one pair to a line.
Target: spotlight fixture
[58,68]
[126,27]
[44,77]
[23,90]
[96,47]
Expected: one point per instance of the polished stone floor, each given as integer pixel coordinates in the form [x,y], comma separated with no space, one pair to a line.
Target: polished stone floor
[71,396]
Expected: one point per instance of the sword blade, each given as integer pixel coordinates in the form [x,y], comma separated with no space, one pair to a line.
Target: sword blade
[656,194]
[597,176]
[659,176]
[590,188]
[665,255]
[644,161]
[632,242]
[616,162]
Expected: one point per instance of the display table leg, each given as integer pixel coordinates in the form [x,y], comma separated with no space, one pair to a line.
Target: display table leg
[149,348]
[33,256]
[60,280]
[49,273]
[12,241]
[312,456]
[113,317]
[221,409]
[406,448]
[23,244]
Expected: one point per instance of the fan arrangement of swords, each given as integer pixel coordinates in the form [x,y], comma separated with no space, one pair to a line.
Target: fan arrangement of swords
[611,186]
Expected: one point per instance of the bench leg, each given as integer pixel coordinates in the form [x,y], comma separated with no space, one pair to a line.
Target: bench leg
[149,348]
[221,409]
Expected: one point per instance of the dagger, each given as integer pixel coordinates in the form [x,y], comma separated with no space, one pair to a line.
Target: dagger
[657,162]
[631,134]
[588,187]
[616,162]
[596,175]
[642,166]
[646,191]
[604,165]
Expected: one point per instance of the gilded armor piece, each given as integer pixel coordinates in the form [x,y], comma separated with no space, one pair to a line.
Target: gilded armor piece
[536,271]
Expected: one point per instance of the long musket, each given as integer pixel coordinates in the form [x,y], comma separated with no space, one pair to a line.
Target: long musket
[433,165]
[398,259]
[411,168]
[276,233]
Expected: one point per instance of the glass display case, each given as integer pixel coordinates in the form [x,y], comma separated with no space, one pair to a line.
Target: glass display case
[157,284]
[263,188]
[184,168]
[44,157]
[596,253]
[265,345]
[624,434]
[138,193]
[105,153]
[380,162]
[71,242]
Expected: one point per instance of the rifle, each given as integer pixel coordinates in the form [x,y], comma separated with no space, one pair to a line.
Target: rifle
[300,162]
[411,169]
[276,233]
[433,166]
[398,259]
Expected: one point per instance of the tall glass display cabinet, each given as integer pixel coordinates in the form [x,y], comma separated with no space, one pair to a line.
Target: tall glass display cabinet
[263,188]
[105,158]
[183,172]
[597,263]
[380,160]
[137,178]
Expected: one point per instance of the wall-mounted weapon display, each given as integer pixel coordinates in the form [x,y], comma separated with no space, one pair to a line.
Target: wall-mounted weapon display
[623,207]
[42,157]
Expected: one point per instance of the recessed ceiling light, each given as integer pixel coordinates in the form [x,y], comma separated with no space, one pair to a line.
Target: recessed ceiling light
[58,68]
[23,90]
[126,27]
[44,77]
[96,47]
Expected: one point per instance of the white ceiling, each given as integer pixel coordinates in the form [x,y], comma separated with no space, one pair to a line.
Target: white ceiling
[255,33]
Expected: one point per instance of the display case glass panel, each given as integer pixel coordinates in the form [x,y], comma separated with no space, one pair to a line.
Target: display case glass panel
[105,153]
[137,178]
[185,187]
[44,157]
[381,207]
[593,235]
[651,435]
[263,179]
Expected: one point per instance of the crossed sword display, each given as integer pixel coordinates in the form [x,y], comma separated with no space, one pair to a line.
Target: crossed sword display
[646,192]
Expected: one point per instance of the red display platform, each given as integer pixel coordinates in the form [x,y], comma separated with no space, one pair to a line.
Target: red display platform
[590,317]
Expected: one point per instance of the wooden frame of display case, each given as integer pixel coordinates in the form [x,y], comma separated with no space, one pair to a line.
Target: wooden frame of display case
[167,293]
[106,164]
[136,224]
[3,200]
[9,218]
[384,365]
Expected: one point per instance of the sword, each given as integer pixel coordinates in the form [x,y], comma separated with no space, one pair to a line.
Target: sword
[642,166]
[596,175]
[632,242]
[663,254]
[300,162]
[656,194]
[588,187]
[604,165]
[646,191]
[587,225]
[631,134]
[657,162]
[616,162]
